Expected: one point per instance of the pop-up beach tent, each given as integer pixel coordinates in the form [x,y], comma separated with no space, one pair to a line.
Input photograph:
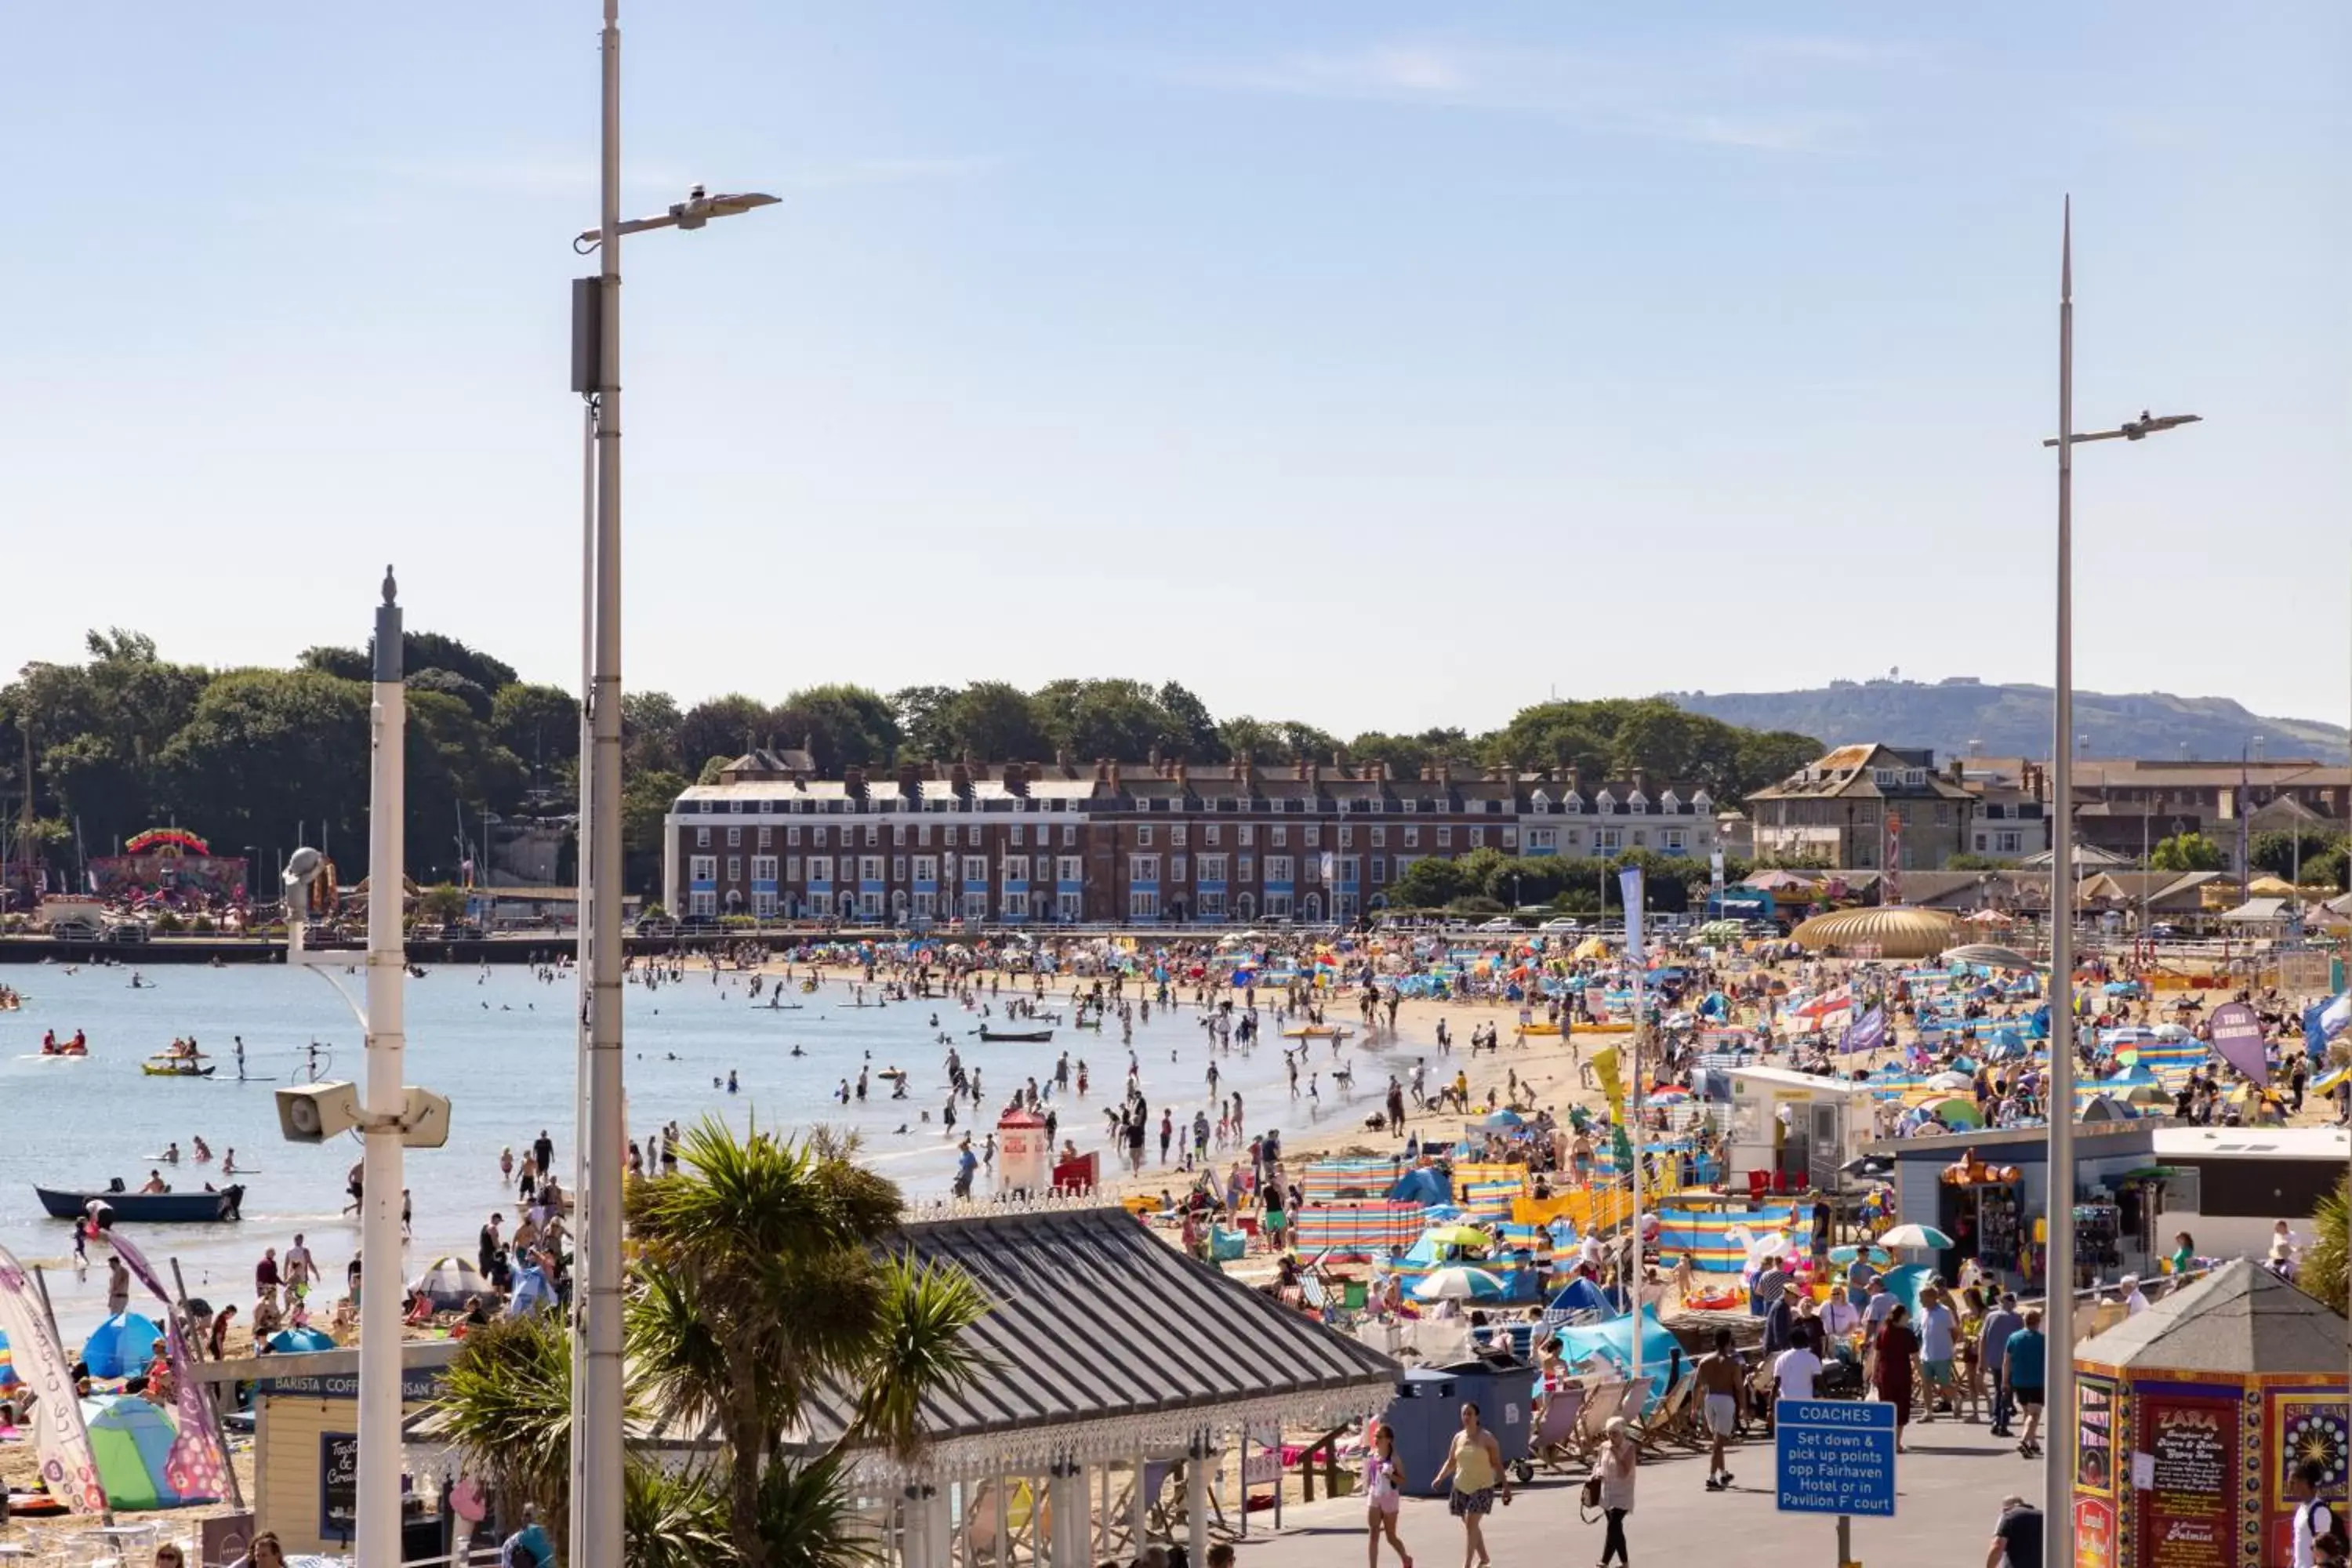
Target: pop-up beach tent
[120,1346]
[131,1442]
[1612,1341]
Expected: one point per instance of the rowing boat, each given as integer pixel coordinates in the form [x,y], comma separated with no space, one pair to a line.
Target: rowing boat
[154,1208]
[1016,1037]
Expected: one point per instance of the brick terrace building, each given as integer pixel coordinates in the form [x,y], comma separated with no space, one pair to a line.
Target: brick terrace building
[1154,842]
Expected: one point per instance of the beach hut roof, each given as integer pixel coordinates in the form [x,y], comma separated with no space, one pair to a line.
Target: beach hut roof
[1098,1334]
[2241,1319]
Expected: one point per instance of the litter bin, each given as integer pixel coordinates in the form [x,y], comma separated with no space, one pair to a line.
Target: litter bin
[1424,1415]
[1503,1393]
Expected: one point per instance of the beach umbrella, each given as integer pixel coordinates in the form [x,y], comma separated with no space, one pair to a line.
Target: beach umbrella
[301,1341]
[1847,1254]
[120,1346]
[1501,1121]
[1948,1080]
[1919,1235]
[446,1282]
[1956,1112]
[1458,1283]
[1460,1235]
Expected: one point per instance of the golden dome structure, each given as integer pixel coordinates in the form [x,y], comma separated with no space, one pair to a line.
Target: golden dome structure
[1898,930]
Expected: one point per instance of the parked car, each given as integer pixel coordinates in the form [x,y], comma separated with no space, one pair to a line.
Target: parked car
[1564,924]
[73,931]
[1500,922]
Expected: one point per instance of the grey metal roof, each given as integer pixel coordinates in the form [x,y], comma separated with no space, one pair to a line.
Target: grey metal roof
[1093,1317]
[2241,1318]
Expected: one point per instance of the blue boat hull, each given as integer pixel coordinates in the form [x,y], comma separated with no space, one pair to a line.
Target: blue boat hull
[147,1208]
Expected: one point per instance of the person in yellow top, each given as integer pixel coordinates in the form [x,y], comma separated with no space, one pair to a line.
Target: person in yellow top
[1475,1464]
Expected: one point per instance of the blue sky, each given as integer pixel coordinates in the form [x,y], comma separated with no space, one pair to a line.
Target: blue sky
[1375,364]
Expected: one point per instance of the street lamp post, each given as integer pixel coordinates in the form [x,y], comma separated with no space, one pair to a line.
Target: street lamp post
[599,1134]
[2058,1464]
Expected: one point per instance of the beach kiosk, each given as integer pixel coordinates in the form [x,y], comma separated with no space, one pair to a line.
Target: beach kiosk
[2191,1417]
[1025,1155]
[1799,1126]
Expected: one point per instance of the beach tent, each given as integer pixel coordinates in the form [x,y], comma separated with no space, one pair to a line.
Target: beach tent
[131,1442]
[1582,1298]
[1426,1186]
[1612,1341]
[448,1281]
[120,1346]
[301,1341]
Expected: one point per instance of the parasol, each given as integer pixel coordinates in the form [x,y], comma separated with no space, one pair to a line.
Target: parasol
[1458,1283]
[1925,1237]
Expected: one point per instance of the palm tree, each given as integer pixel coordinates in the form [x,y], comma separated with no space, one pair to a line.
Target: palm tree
[760,1282]
[2323,1271]
[507,1409]
[762,1286]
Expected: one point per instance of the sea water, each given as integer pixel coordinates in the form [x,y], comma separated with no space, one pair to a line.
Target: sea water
[500,1043]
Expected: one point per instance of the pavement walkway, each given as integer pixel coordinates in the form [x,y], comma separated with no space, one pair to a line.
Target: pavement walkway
[1948,1490]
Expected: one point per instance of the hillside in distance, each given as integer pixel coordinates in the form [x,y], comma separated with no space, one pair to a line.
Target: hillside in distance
[1962,713]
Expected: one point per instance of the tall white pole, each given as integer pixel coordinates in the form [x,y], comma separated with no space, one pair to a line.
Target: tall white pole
[1635,893]
[596,1499]
[387,966]
[583,936]
[2058,1314]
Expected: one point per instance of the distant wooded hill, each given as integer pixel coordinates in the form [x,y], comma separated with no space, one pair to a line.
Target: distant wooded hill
[2014,721]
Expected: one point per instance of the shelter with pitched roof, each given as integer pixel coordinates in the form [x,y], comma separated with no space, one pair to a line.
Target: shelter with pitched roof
[1114,1367]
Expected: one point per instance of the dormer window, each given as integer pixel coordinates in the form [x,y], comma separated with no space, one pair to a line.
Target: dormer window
[1915,775]
[1542,803]
[1572,803]
[1637,802]
[1604,803]
[1701,802]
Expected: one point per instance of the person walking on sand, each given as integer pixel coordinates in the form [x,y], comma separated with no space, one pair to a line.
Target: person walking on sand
[1475,1464]
[1384,1491]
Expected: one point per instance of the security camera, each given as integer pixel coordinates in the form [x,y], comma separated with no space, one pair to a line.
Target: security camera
[314,1113]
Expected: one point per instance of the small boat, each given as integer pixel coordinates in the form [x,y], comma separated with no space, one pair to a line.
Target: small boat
[1015,1037]
[173,1067]
[151,1208]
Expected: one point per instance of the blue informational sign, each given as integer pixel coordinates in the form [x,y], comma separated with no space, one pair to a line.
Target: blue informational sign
[1835,1455]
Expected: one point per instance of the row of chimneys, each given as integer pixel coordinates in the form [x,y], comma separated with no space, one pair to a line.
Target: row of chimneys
[1017,776]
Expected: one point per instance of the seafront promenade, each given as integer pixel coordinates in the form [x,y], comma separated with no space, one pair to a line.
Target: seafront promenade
[1949,1489]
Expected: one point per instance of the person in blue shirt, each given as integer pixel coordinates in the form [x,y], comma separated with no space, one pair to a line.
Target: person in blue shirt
[533,1290]
[2024,1363]
[966,1163]
[528,1547]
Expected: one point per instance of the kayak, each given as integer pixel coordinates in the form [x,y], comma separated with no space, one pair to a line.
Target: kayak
[173,1069]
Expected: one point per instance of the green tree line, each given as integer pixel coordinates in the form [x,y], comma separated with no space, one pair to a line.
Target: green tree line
[127,740]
